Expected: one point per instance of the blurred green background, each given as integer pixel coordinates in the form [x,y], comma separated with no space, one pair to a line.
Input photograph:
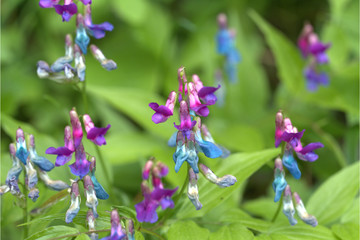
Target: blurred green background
[151,39]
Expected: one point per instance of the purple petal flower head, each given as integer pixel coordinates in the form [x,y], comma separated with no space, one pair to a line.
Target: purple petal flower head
[302,213]
[307,152]
[64,154]
[117,232]
[194,102]
[314,79]
[185,119]
[303,41]
[86,2]
[288,206]
[147,168]
[162,113]
[81,165]
[21,150]
[96,30]
[285,131]
[146,210]
[95,134]
[76,127]
[279,183]
[279,128]
[74,204]
[48,3]
[108,64]
[205,93]
[43,163]
[67,10]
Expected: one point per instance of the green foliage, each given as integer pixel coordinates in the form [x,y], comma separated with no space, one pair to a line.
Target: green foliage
[346,231]
[186,230]
[52,232]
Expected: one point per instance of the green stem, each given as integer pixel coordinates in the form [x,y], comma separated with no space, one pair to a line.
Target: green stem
[277,210]
[83,91]
[25,210]
[144,230]
[103,166]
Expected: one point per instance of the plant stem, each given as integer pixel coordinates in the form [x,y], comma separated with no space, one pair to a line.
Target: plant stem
[144,230]
[277,210]
[25,210]
[83,91]
[103,166]
[77,234]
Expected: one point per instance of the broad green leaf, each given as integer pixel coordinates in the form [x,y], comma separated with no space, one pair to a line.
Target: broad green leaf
[53,232]
[353,213]
[240,165]
[82,236]
[263,237]
[135,104]
[132,11]
[238,216]
[233,231]
[261,207]
[287,56]
[139,236]
[346,231]
[335,196]
[300,231]
[337,7]
[187,230]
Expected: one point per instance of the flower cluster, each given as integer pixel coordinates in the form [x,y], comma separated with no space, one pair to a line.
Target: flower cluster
[154,193]
[226,47]
[66,11]
[285,132]
[192,137]
[24,154]
[61,70]
[82,167]
[118,231]
[311,47]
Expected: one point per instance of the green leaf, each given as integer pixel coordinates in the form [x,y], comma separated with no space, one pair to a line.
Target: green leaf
[132,11]
[240,165]
[300,231]
[233,231]
[52,232]
[83,236]
[337,8]
[353,213]
[187,230]
[335,196]
[139,236]
[346,231]
[287,57]
[261,207]
[135,104]
[238,216]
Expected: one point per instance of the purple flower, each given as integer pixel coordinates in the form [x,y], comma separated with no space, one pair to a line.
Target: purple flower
[64,154]
[76,127]
[147,169]
[182,81]
[48,3]
[117,232]
[307,152]
[185,119]
[162,113]
[146,210]
[303,41]
[95,30]
[194,102]
[314,79]
[205,93]
[86,2]
[95,134]
[67,10]
[81,165]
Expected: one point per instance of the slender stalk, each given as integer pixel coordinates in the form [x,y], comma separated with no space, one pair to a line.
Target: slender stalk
[25,210]
[144,230]
[277,210]
[77,234]
[83,91]
[103,166]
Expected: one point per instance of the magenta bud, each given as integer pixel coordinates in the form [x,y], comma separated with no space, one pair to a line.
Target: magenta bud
[76,126]
[12,149]
[68,138]
[170,102]
[88,184]
[20,134]
[156,181]
[288,125]
[222,21]
[182,80]
[163,169]
[147,168]
[75,189]
[198,84]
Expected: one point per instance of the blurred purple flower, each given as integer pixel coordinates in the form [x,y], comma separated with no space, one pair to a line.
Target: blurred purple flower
[95,134]
[95,30]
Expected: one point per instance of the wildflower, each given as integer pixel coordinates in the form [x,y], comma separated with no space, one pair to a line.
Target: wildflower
[48,3]
[79,63]
[76,127]
[39,161]
[302,213]
[95,134]
[82,39]
[99,190]
[67,10]
[74,204]
[192,190]
[81,166]
[155,197]
[64,154]
[108,64]
[162,113]
[95,30]
[117,232]
[311,47]
[288,206]
[90,195]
